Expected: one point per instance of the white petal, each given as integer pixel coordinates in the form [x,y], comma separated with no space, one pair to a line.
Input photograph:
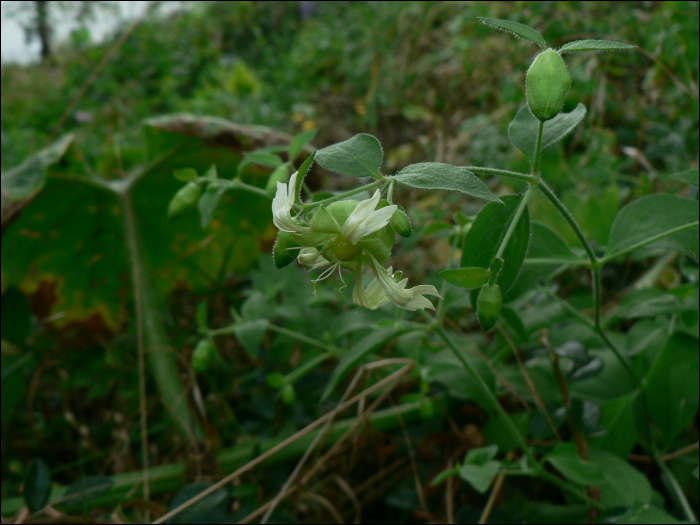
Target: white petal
[282,206]
[365,220]
[409,299]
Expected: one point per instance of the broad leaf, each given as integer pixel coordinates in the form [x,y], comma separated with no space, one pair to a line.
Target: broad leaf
[485,236]
[514,321]
[466,277]
[522,131]
[515,28]
[37,485]
[671,221]
[268,160]
[250,334]
[623,485]
[647,514]
[211,509]
[360,156]
[438,176]
[599,46]
[371,341]
[566,460]
[618,421]
[688,176]
[480,476]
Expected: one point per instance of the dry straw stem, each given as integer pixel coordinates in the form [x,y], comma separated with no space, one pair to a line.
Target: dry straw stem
[386,381]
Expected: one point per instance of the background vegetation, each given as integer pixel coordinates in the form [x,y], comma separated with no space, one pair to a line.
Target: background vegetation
[433,85]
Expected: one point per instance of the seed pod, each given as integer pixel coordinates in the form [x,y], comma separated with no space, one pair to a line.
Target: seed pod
[547,82]
[185,198]
[202,354]
[280,254]
[281,174]
[488,305]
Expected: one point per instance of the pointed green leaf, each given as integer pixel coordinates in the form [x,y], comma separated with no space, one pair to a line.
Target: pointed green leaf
[360,156]
[323,221]
[303,170]
[688,176]
[623,484]
[466,277]
[85,489]
[250,334]
[566,460]
[370,342]
[37,485]
[438,176]
[522,131]
[186,174]
[479,476]
[598,46]
[209,201]
[516,29]
[513,319]
[669,221]
[268,160]
[299,142]
[487,231]
[481,455]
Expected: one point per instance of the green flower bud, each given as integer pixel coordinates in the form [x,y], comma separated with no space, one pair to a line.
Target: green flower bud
[280,254]
[281,174]
[185,198]
[547,82]
[288,394]
[488,305]
[401,223]
[202,354]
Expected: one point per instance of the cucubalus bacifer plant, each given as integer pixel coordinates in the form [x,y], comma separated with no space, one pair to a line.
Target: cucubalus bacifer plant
[505,257]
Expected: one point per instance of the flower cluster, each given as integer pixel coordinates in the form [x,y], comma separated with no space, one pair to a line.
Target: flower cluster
[346,234]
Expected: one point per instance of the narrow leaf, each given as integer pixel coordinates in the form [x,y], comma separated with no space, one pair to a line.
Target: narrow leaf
[303,170]
[522,131]
[516,29]
[37,485]
[438,176]
[360,156]
[86,489]
[360,349]
[466,277]
[268,160]
[186,174]
[598,46]
[688,176]
[209,201]
[670,220]
[299,142]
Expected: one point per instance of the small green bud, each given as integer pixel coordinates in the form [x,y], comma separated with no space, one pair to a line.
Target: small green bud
[547,82]
[281,174]
[185,198]
[280,254]
[288,394]
[202,354]
[401,223]
[344,249]
[488,305]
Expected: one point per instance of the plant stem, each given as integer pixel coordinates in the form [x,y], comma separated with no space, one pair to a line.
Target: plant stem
[516,218]
[440,313]
[677,490]
[490,395]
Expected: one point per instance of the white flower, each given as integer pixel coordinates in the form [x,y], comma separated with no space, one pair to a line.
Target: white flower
[384,289]
[365,220]
[282,206]
[312,258]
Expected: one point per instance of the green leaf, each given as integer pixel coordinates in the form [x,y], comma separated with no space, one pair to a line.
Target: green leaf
[209,201]
[202,315]
[268,160]
[85,489]
[323,221]
[37,485]
[623,485]
[303,170]
[438,176]
[598,46]
[483,239]
[545,245]
[211,509]
[566,460]
[497,431]
[16,317]
[522,131]
[299,142]
[480,476]
[514,321]
[359,350]
[696,472]
[250,334]
[664,304]
[517,29]
[360,156]
[466,277]
[276,380]
[591,369]
[617,418]
[481,455]
[688,176]
[186,174]
[647,513]
[672,220]
[442,476]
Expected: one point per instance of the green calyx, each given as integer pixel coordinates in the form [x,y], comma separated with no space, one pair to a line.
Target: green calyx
[281,254]
[488,305]
[547,83]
